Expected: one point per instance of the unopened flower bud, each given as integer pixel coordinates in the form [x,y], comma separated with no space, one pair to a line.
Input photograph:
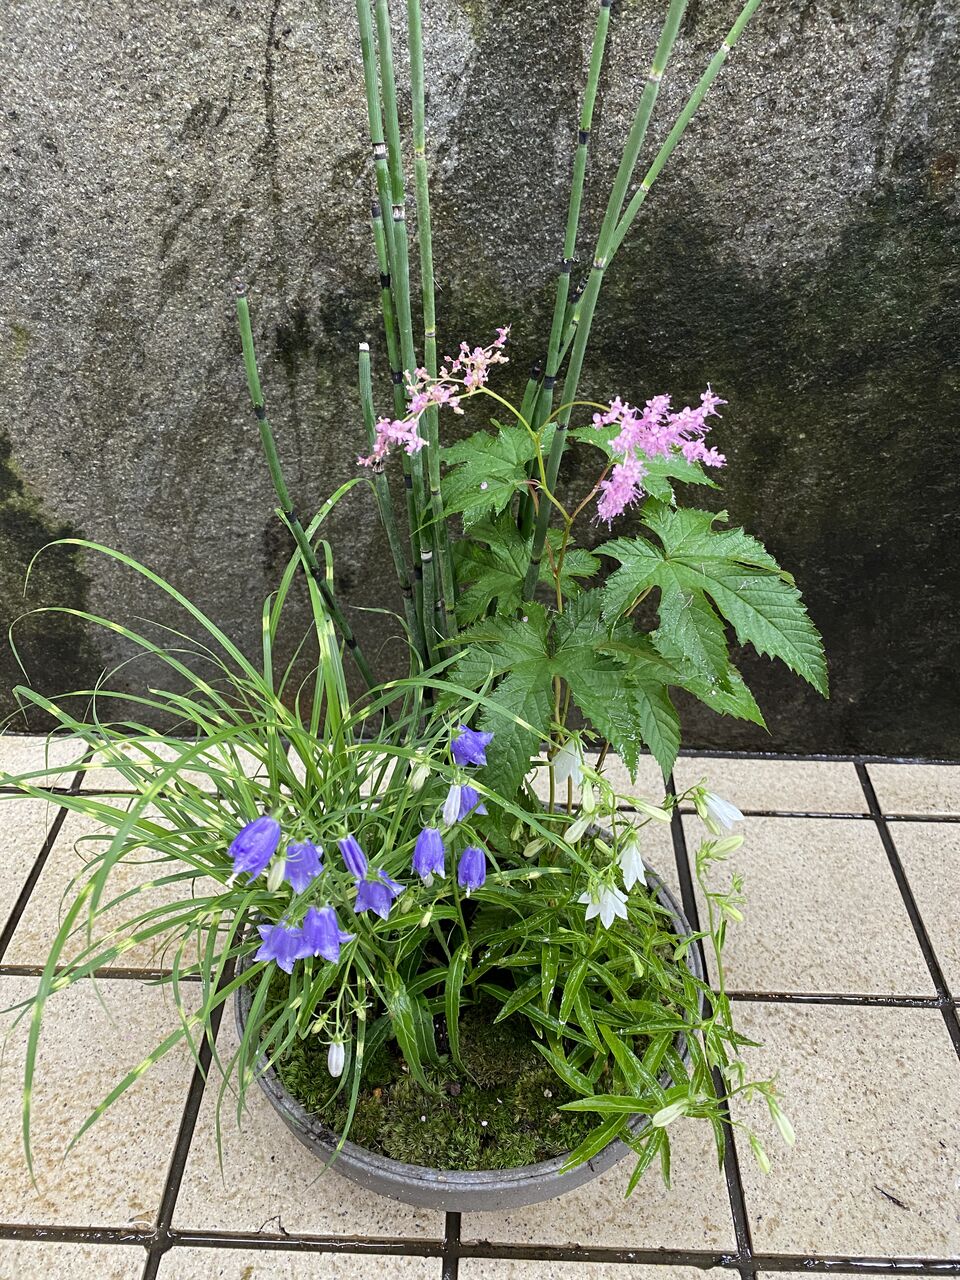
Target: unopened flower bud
[275,874]
[335,1059]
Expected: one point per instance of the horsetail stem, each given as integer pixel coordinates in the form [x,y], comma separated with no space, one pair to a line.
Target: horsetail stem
[396,236]
[307,552]
[381,165]
[678,130]
[398,221]
[442,555]
[527,408]
[544,400]
[611,217]
[385,502]
[386,305]
[429,603]
[399,408]
[573,213]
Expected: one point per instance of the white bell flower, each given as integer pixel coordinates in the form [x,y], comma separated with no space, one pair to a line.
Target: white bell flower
[721,812]
[605,902]
[630,861]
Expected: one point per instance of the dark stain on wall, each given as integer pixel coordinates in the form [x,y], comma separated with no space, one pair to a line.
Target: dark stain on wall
[54,648]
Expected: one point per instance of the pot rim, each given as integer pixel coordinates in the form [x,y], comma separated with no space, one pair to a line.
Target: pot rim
[455,1180]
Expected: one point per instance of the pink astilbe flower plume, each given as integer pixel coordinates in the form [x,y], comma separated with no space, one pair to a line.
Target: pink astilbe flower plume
[655,431]
[463,375]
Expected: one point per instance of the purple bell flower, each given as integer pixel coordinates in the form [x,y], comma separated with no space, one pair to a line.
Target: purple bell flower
[470,746]
[254,846]
[472,871]
[322,934]
[470,801]
[302,865]
[281,943]
[354,858]
[428,854]
[377,895]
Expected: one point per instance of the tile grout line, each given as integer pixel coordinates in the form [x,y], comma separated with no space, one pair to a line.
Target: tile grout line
[119,974]
[400,1247]
[450,1262]
[36,870]
[731,1159]
[162,1239]
[840,998]
[947,1007]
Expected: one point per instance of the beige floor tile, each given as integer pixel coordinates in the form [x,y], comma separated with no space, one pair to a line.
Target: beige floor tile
[694,1214]
[932,789]
[74,847]
[271,1181]
[115,1174]
[874,1095]
[649,784]
[512,1269]
[930,853]
[24,824]
[798,786]
[254,1264]
[31,1260]
[823,911]
[29,753]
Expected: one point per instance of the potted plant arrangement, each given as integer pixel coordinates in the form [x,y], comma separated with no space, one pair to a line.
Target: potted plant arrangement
[454,974]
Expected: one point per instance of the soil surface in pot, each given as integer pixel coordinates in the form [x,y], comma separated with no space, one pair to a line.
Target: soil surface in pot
[502,1112]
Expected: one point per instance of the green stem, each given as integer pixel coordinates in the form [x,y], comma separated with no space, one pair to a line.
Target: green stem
[442,554]
[383,232]
[544,401]
[678,130]
[631,151]
[400,276]
[385,502]
[399,408]
[307,552]
[386,306]
[528,407]
[381,166]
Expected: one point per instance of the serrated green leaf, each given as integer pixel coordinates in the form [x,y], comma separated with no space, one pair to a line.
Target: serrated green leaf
[492,564]
[659,723]
[485,471]
[767,613]
[699,569]
[690,627]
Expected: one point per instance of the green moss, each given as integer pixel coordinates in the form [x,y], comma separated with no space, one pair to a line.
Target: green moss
[503,1111]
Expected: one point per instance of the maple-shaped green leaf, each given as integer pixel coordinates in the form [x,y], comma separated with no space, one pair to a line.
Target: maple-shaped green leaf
[522,703]
[629,705]
[647,663]
[485,471]
[699,570]
[731,698]
[492,563]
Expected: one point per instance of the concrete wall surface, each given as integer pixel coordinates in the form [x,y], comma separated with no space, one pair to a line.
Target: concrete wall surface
[801,253]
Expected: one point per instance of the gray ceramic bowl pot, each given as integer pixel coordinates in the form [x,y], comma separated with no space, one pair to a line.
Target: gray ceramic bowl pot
[453,1189]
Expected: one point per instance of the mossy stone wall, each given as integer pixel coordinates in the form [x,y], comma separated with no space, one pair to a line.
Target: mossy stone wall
[801,253]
